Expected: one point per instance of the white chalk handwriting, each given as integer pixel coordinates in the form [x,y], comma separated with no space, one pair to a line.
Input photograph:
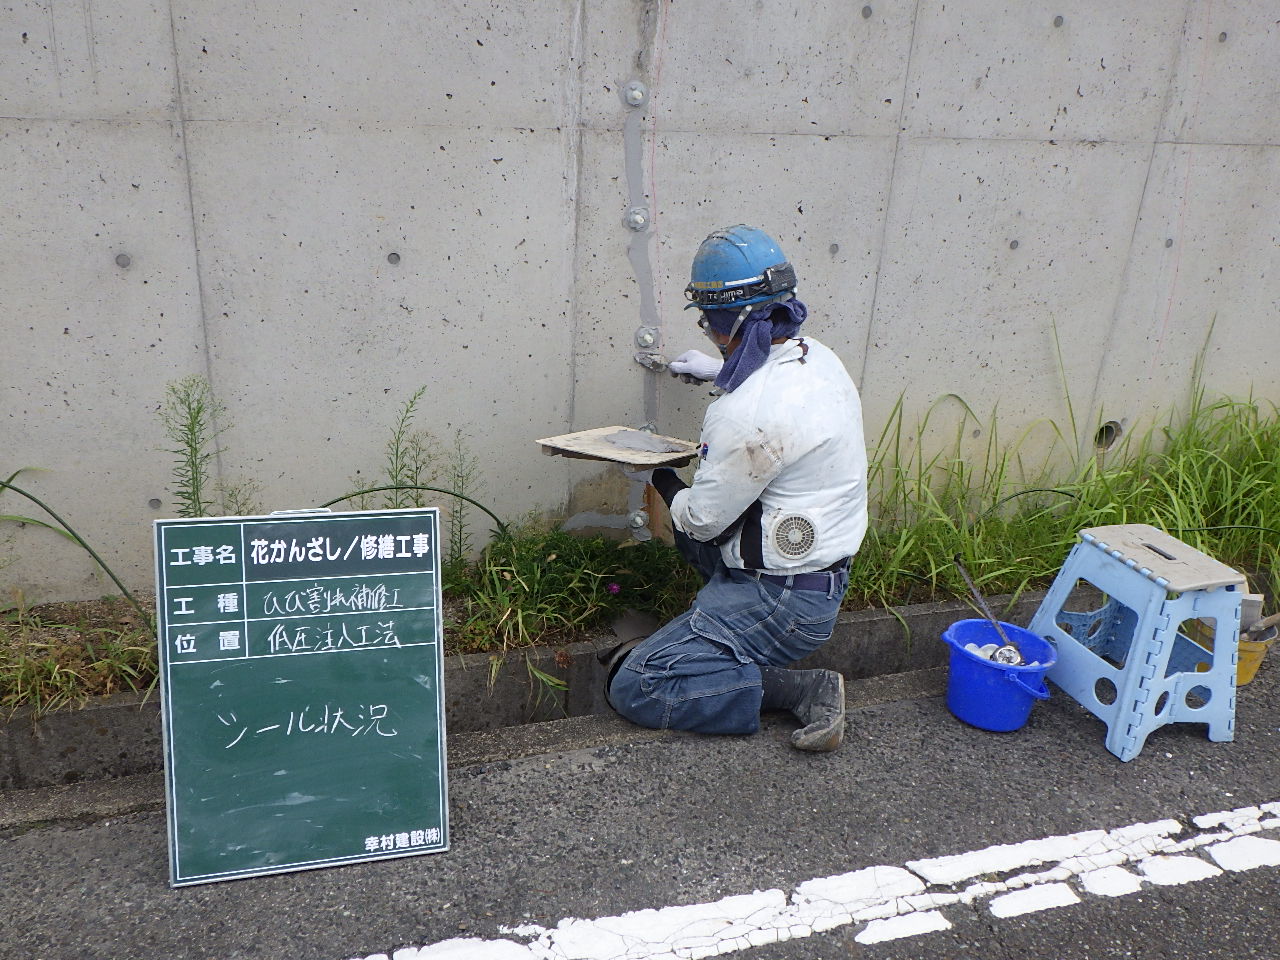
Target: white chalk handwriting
[314,638]
[328,719]
[318,599]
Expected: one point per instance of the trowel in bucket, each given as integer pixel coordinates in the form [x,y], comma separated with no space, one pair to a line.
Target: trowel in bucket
[1261,629]
[1264,629]
[1008,652]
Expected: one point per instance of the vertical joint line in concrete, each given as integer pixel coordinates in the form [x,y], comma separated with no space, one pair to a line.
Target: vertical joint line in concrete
[195,228]
[53,46]
[888,195]
[86,7]
[1162,121]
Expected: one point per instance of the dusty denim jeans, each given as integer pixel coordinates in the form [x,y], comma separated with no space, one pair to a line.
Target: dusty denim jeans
[701,671]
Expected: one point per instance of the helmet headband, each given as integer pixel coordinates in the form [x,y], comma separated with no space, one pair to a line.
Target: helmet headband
[716,294]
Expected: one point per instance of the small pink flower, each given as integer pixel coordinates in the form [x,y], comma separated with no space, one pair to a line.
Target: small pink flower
[613,588]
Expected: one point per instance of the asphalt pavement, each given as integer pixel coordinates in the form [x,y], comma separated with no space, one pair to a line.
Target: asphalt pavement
[591,839]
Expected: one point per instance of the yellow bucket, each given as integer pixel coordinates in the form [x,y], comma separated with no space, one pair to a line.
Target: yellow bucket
[1251,654]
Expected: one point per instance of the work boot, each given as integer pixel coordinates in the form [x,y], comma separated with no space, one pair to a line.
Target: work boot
[815,698]
[822,713]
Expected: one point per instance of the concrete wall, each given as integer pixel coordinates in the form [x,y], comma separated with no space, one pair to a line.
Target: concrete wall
[218,189]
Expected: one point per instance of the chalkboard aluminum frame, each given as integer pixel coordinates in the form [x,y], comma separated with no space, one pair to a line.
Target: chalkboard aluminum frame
[353,661]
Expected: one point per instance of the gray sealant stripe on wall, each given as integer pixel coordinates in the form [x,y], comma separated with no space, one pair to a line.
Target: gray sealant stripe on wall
[637,219]
[634,98]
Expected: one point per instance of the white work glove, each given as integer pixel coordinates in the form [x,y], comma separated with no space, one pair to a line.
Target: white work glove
[694,366]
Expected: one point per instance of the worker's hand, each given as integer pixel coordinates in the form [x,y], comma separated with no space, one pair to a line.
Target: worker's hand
[693,366]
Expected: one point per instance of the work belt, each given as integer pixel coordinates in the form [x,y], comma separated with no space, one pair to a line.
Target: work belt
[818,580]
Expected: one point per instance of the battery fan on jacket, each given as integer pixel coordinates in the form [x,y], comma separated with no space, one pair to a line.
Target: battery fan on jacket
[794,536]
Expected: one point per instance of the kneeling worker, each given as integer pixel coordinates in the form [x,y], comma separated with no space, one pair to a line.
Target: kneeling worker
[777,507]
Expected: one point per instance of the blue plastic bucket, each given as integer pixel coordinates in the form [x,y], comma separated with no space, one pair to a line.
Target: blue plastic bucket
[990,695]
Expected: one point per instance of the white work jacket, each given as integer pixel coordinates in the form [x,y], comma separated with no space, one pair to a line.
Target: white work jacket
[782,458]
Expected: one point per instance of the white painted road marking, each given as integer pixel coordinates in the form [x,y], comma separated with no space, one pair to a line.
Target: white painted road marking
[1033,899]
[1110,882]
[1170,871]
[905,901]
[1246,853]
[907,925]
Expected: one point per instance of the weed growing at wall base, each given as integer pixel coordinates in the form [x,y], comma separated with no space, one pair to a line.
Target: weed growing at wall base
[60,654]
[193,419]
[538,587]
[1210,477]
[190,414]
[413,460]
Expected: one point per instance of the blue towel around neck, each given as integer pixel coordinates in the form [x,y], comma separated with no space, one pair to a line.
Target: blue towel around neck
[770,321]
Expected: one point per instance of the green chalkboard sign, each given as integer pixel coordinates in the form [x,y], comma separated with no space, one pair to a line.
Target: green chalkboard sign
[302,692]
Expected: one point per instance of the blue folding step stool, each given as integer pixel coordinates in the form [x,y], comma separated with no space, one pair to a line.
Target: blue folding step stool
[1160,645]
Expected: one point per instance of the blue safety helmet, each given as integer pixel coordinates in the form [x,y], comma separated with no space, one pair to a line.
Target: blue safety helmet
[738,266]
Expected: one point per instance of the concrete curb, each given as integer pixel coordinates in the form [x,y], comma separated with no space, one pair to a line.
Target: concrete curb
[120,736]
[104,799]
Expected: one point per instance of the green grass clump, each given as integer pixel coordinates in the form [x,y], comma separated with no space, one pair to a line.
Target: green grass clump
[540,587]
[1009,511]
[61,654]
[1211,478]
